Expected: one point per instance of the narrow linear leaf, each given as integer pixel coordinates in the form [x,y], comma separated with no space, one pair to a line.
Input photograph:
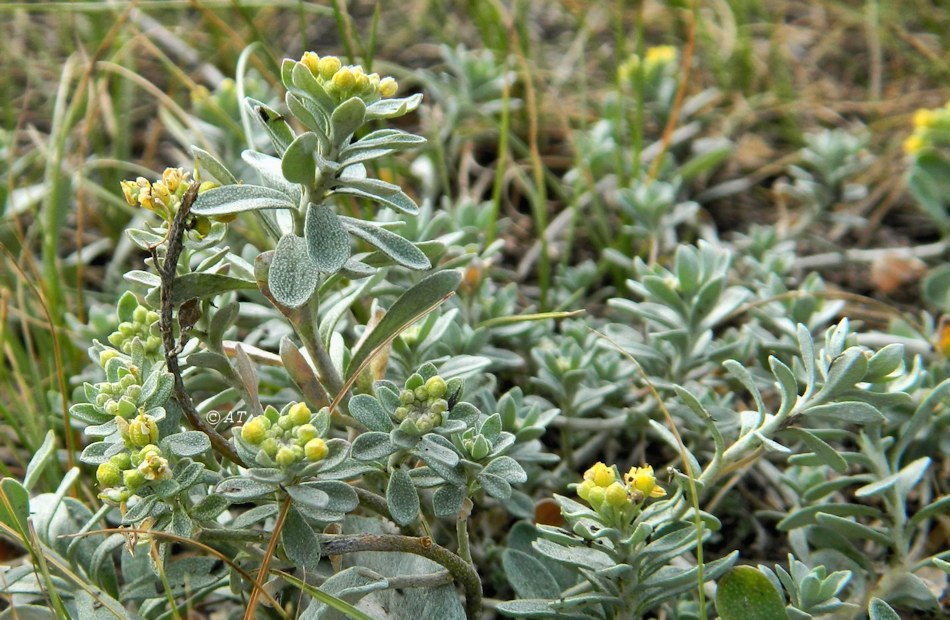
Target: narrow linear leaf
[209,166]
[416,301]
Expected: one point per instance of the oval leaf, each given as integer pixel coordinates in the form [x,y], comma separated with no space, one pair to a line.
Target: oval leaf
[744,593]
[402,497]
[292,277]
[327,242]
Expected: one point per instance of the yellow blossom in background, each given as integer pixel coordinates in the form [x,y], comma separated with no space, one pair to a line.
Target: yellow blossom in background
[924,118]
[913,144]
[661,54]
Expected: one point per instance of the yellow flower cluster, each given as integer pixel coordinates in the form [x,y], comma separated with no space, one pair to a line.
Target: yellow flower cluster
[656,59]
[345,81]
[602,486]
[162,196]
[286,439]
[931,128]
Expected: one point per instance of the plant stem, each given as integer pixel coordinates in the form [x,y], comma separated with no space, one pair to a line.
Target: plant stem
[167,271]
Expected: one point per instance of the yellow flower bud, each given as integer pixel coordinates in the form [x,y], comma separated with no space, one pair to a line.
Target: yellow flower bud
[596,497]
[435,386]
[143,430]
[108,475]
[344,79]
[583,489]
[285,457]
[299,414]
[130,191]
[254,431]
[305,433]
[328,66]
[600,474]
[616,495]
[316,449]
[106,355]
[312,61]
[133,479]
[387,87]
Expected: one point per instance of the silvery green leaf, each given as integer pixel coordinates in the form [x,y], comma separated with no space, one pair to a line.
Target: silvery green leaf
[389,243]
[209,507]
[202,285]
[939,506]
[349,585]
[393,108]
[276,126]
[828,455]
[370,413]
[142,508]
[269,168]
[787,383]
[379,191]
[301,543]
[745,592]
[506,468]
[209,166]
[328,245]
[581,556]
[298,164]
[146,278]
[884,362]
[536,608]
[529,577]
[402,498]
[306,83]
[806,516]
[405,311]
[371,446]
[254,515]
[44,454]
[346,119]
[845,370]
[853,529]
[905,480]
[308,112]
[879,610]
[807,347]
[308,497]
[493,485]
[447,500]
[382,139]
[438,448]
[240,489]
[15,507]
[181,524]
[186,443]
[292,277]
[29,612]
[99,452]
[238,198]
[340,496]
[848,411]
[672,580]
[744,377]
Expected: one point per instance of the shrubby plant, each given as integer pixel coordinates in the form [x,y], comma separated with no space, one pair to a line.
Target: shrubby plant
[319,400]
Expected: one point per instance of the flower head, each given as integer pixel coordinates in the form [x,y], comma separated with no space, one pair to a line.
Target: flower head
[642,479]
